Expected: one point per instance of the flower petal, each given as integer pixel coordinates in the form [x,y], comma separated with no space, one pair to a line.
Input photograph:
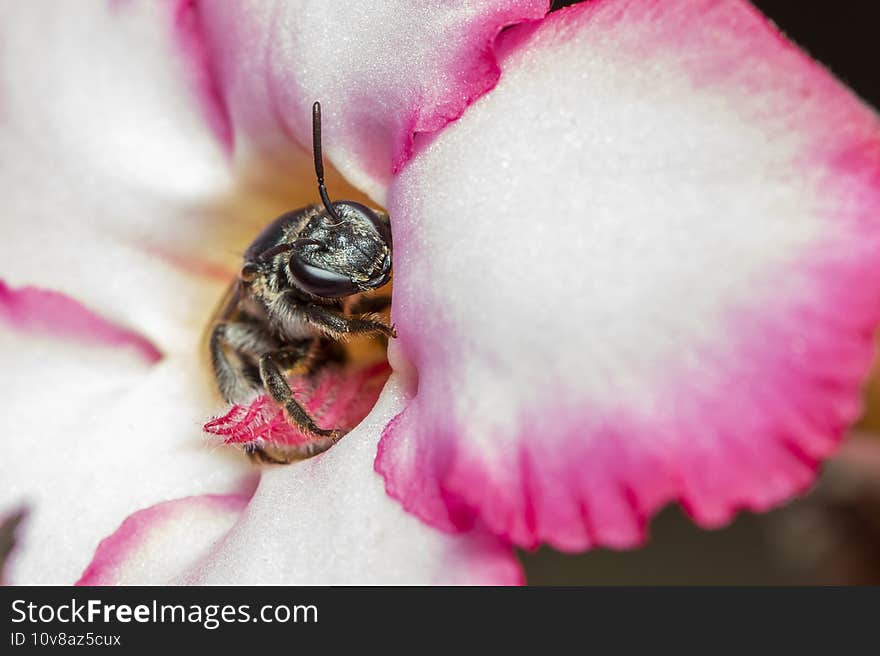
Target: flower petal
[336,398]
[383,72]
[44,312]
[643,268]
[93,431]
[109,163]
[328,521]
[156,545]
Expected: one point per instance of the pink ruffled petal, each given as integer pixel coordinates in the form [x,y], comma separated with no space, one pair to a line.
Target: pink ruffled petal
[328,521]
[93,429]
[156,545]
[383,72]
[335,399]
[643,268]
[45,312]
[109,164]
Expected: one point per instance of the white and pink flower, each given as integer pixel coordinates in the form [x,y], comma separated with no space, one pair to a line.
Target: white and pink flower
[636,262]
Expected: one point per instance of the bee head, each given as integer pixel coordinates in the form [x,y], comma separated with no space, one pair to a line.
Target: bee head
[344,248]
[341,255]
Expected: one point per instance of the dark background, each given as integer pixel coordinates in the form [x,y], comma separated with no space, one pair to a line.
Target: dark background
[845,37]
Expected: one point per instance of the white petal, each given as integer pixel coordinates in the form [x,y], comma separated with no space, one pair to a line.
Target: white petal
[108,163]
[328,521]
[93,432]
[643,268]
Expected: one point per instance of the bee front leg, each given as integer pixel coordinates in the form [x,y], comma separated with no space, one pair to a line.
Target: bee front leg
[234,370]
[277,387]
[292,310]
[336,323]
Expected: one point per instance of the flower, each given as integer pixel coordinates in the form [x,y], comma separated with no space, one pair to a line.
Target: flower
[634,263]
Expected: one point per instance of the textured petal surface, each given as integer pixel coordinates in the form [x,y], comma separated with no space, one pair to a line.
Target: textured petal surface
[109,163]
[93,430]
[328,521]
[383,72]
[643,268]
[156,545]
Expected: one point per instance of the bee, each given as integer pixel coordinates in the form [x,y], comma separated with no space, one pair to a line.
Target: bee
[285,311]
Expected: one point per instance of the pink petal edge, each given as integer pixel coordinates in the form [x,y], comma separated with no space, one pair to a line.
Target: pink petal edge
[47,312]
[476,73]
[773,414]
[121,551]
[403,69]
[89,197]
[190,37]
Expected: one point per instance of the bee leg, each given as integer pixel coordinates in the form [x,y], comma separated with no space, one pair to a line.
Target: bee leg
[277,387]
[284,455]
[330,320]
[259,454]
[237,377]
[336,323]
[272,455]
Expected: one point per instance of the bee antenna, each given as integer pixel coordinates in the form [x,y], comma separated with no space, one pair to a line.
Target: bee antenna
[299,243]
[319,160]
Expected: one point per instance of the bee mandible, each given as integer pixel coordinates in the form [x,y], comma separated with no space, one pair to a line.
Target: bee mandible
[285,310]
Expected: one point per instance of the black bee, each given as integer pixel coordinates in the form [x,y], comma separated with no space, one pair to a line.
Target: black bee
[285,311]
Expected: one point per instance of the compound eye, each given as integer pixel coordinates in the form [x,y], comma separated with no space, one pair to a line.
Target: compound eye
[320,282]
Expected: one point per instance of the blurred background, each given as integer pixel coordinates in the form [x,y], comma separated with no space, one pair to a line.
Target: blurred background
[829,536]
